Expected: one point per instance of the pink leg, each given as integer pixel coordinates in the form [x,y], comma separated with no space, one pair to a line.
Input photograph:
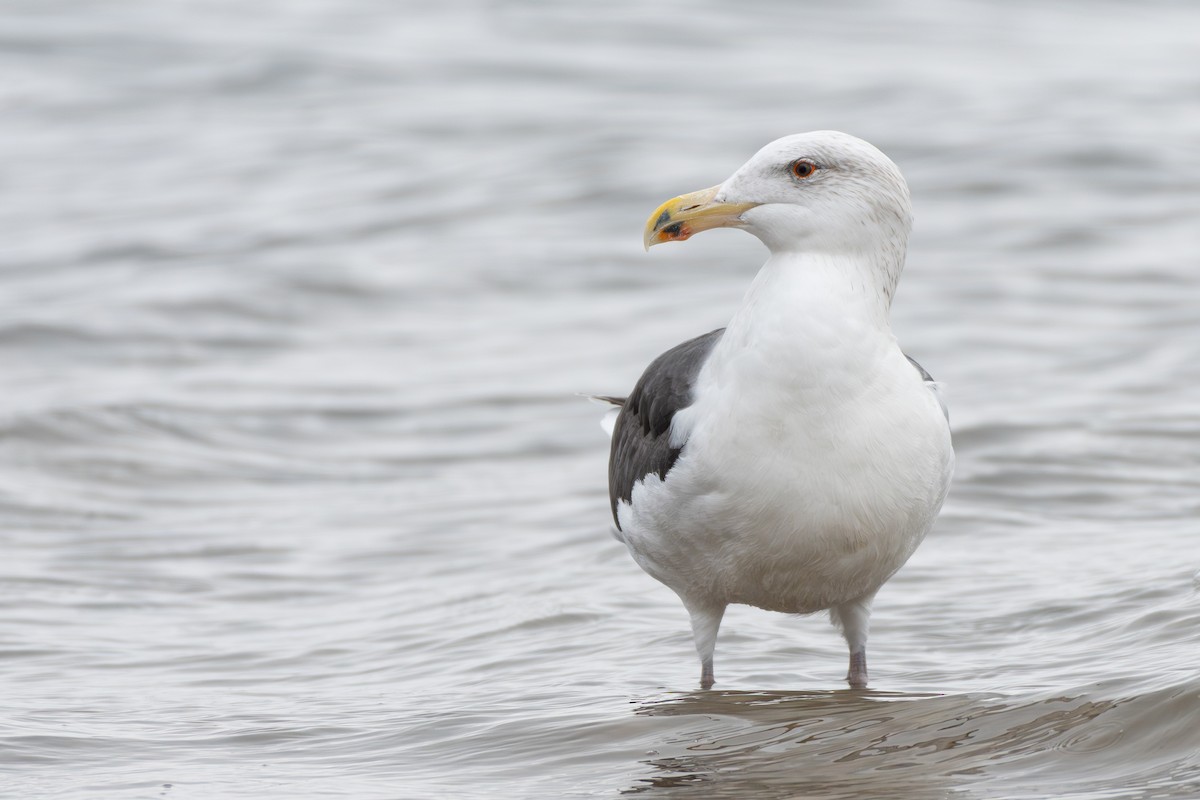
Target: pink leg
[857,677]
[854,618]
[706,621]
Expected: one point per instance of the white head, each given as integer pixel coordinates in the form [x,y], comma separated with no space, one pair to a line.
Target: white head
[819,192]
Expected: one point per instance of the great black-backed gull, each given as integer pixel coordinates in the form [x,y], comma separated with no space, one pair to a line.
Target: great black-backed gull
[794,459]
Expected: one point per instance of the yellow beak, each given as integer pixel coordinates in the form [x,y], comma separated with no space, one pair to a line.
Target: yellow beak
[681,217]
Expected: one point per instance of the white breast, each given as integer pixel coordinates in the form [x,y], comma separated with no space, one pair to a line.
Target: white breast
[815,462]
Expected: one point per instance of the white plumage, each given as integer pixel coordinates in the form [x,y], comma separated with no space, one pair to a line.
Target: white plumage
[795,461]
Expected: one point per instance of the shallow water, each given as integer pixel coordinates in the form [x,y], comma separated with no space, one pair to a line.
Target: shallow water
[297,496]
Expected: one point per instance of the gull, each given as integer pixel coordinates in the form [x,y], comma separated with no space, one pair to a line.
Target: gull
[795,459]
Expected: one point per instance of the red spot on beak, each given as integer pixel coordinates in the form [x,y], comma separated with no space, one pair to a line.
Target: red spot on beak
[677,232]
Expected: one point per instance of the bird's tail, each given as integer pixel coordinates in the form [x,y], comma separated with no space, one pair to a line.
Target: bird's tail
[614,404]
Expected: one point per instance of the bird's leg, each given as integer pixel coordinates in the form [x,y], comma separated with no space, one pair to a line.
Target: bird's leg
[854,620]
[706,621]
[857,676]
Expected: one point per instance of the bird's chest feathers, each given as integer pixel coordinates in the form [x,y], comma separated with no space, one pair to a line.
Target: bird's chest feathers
[828,440]
[804,500]
[813,454]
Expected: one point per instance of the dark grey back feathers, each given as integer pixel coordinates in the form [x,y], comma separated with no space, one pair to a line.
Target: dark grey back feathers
[641,439]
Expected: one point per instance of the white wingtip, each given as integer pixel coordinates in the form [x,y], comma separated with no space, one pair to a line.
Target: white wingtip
[609,420]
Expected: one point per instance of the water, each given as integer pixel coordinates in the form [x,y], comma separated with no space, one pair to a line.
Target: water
[297,498]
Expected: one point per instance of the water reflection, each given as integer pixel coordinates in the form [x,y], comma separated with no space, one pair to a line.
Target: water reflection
[856,744]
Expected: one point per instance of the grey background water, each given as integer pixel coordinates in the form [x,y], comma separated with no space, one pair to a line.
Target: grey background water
[297,498]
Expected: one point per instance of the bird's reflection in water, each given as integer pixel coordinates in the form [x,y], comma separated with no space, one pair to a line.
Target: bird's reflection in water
[856,744]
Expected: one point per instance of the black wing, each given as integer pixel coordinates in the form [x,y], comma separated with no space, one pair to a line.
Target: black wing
[640,441]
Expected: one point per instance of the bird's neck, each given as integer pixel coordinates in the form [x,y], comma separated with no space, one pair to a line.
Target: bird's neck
[810,314]
[827,290]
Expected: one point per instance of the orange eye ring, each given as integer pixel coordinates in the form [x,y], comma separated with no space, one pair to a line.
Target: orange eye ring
[803,168]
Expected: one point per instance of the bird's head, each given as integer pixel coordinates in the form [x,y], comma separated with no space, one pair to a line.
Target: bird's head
[820,191]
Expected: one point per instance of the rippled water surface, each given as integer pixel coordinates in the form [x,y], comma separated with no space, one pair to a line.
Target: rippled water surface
[297,494]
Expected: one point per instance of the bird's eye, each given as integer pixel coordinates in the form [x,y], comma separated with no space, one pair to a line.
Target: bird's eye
[803,168]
